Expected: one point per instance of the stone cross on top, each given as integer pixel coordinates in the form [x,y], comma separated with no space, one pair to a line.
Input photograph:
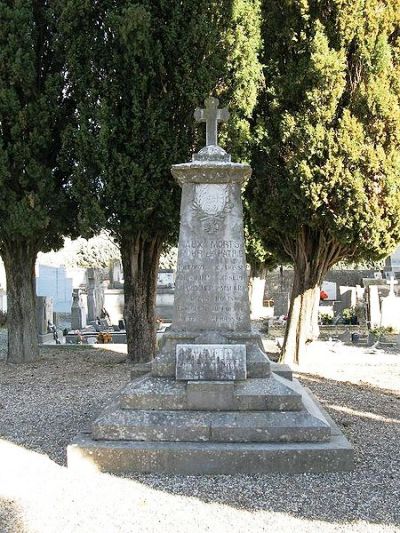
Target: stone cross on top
[211,115]
[392,282]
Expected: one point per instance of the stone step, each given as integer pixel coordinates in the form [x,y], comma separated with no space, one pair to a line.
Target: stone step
[126,456]
[190,458]
[267,394]
[151,393]
[201,426]
[258,394]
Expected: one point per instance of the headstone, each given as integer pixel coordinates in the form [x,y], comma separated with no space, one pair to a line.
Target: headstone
[374,308]
[78,311]
[281,303]
[114,304]
[347,298]
[95,295]
[393,261]
[210,402]
[390,308]
[44,317]
[256,296]
[116,275]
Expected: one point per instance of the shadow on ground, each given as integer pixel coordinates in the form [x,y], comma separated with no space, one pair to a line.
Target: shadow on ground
[370,420]
[46,404]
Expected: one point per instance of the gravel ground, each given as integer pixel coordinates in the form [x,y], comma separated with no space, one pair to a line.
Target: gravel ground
[44,404]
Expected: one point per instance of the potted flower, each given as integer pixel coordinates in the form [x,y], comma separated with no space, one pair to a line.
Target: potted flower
[349,316]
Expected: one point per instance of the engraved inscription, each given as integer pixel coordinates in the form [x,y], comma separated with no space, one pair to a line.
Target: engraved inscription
[213,272]
[210,361]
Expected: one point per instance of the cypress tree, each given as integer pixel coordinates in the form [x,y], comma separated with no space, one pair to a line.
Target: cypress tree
[327,128]
[36,206]
[141,68]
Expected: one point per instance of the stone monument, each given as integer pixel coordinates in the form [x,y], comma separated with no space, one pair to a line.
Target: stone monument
[44,316]
[78,311]
[390,308]
[95,295]
[211,401]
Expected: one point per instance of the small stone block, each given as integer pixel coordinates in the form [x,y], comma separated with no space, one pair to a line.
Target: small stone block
[282,370]
[210,395]
[210,362]
[153,393]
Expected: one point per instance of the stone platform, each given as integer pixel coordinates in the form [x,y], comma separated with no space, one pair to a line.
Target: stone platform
[255,426]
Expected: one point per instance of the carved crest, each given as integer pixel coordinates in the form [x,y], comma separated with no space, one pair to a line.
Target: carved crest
[211,202]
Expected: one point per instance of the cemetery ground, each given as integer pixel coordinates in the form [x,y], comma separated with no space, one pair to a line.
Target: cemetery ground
[43,405]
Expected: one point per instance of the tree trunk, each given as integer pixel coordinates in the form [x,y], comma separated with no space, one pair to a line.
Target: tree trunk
[314,255]
[19,263]
[140,258]
[298,328]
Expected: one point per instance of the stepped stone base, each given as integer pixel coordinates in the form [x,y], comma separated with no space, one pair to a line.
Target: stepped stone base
[157,425]
[209,458]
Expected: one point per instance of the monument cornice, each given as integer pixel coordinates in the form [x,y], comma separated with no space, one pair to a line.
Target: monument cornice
[211,172]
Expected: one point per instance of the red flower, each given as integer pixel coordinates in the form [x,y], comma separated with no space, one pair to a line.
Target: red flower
[323,295]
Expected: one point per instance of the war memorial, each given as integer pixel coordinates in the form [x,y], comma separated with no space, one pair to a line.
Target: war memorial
[211,402]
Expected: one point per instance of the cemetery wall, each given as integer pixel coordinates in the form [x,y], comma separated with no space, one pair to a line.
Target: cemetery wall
[349,278]
[278,282]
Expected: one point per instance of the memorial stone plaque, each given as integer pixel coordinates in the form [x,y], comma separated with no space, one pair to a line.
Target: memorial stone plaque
[218,362]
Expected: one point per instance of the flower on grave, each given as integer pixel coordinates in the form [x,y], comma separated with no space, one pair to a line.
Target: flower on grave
[323,295]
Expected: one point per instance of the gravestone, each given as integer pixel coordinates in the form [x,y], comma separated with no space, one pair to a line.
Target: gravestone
[78,311]
[347,299]
[374,308]
[44,316]
[95,295]
[165,278]
[390,308]
[116,275]
[211,401]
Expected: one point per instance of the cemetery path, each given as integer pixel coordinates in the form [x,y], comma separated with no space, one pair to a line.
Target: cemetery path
[44,404]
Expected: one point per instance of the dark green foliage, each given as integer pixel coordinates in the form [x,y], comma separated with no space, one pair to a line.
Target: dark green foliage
[328,128]
[139,69]
[37,206]
[326,186]
[35,203]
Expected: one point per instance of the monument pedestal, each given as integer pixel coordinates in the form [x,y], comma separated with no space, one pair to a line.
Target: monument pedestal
[212,402]
[260,425]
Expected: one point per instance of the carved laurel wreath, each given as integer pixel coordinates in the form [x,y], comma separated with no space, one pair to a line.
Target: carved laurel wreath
[211,208]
